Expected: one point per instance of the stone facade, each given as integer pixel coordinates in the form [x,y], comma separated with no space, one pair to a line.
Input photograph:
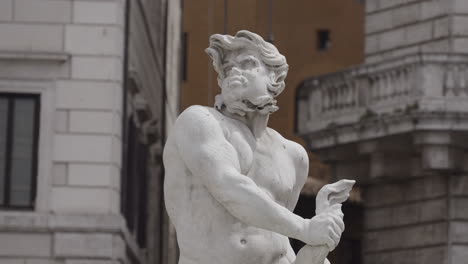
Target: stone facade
[398,125]
[81,57]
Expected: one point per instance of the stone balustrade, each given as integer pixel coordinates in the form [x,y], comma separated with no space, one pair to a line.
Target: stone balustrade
[361,97]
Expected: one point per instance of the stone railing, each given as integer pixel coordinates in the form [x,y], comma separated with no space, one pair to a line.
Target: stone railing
[412,84]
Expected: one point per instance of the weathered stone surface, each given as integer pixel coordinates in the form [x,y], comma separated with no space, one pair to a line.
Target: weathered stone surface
[91,261]
[418,33]
[6,10]
[24,37]
[82,200]
[61,121]
[458,208]
[107,40]
[86,148]
[23,221]
[414,190]
[406,214]
[83,245]
[97,122]
[459,254]
[97,12]
[433,255]
[25,244]
[96,68]
[51,11]
[460,6]
[423,235]
[92,174]
[459,231]
[59,174]
[86,95]
[43,261]
[87,222]
[12,261]
[459,185]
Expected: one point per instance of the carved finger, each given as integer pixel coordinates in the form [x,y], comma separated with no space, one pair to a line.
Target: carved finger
[338,221]
[330,244]
[336,237]
[335,207]
[337,212]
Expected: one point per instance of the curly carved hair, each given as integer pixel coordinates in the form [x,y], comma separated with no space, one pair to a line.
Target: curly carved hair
[220,45]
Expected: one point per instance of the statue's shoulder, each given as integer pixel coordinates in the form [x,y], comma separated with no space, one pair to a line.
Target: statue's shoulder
[296,150]
[197,113]
[197,118]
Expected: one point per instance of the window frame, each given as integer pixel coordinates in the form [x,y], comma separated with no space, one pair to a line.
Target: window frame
[11,98]
[46,90]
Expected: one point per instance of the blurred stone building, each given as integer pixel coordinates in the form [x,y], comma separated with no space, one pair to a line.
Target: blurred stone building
[88,91]
[398,124]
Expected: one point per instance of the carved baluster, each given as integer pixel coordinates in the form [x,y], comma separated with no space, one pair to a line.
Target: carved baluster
[354,95]
[397,83]
[456,77]
[463,85]
[387,86]
[372,87]
[361,91]
[313,109]
[375,89]
[336,88]
[383,86]
[407,82]
[334,96]
[349,93]
[326,97]
[380,87]
[391,93]
[330,97]
[461,81]
[343,95]
[449,82]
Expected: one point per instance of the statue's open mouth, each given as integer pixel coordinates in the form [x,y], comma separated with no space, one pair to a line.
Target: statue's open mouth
[269,107]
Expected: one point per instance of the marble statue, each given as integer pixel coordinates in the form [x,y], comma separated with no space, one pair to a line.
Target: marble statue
[231,182]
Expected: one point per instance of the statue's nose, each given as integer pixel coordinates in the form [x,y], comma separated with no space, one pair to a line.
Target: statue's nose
[235,70]
[261,100]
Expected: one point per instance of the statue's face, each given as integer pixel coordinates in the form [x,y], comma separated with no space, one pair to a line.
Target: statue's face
[245,86]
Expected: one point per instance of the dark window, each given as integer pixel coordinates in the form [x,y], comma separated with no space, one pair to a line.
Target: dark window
[184,58]
[19,130]
[134,185]
[323,39]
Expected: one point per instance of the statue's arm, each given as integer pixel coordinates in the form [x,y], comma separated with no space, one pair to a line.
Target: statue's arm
[209,156]
[301,161]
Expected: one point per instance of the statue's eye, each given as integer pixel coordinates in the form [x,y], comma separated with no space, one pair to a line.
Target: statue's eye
[248,63]
[227,68]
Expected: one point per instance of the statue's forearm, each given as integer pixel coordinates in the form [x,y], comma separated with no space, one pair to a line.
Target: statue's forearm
[253,206]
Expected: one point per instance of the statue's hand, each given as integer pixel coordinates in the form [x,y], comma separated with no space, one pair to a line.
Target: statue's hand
[325,228]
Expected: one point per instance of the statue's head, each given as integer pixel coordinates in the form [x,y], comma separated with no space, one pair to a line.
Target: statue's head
[251,72]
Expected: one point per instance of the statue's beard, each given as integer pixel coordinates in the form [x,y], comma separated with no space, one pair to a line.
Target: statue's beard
[243,106]
[235,101]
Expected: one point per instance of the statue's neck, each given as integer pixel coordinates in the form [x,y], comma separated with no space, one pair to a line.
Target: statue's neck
[255,121]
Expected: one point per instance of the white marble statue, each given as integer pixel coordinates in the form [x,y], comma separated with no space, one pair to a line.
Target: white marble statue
[231,182]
